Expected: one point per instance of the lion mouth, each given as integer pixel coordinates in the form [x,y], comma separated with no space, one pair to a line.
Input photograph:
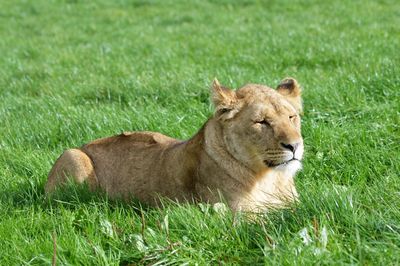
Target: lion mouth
[271,164]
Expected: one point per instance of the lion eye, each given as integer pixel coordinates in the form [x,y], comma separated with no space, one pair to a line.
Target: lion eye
[263,122]
[292,117]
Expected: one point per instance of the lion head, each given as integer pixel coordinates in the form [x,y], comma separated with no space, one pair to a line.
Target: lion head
[261,126]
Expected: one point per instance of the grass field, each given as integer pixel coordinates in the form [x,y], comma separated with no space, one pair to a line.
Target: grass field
[72,71]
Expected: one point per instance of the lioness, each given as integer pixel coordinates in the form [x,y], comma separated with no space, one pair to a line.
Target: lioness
[248,153]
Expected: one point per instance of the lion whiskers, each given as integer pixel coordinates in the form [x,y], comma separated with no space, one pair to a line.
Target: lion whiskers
[277,156]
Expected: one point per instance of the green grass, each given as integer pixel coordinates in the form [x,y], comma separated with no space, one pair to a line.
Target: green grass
[72,71]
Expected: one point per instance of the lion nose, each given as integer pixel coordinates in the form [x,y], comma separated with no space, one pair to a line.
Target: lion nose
[290,146]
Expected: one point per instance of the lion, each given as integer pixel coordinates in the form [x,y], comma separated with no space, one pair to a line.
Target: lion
[247,153]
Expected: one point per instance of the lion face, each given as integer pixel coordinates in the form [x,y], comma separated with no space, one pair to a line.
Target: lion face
[260,125]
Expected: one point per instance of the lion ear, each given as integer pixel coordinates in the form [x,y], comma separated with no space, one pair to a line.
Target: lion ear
[224,100]
[290,89]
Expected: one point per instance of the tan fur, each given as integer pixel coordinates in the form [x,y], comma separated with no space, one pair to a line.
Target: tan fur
[243,154]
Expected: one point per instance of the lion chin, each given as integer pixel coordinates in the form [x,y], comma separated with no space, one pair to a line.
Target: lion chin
[290,168]
[246,154]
